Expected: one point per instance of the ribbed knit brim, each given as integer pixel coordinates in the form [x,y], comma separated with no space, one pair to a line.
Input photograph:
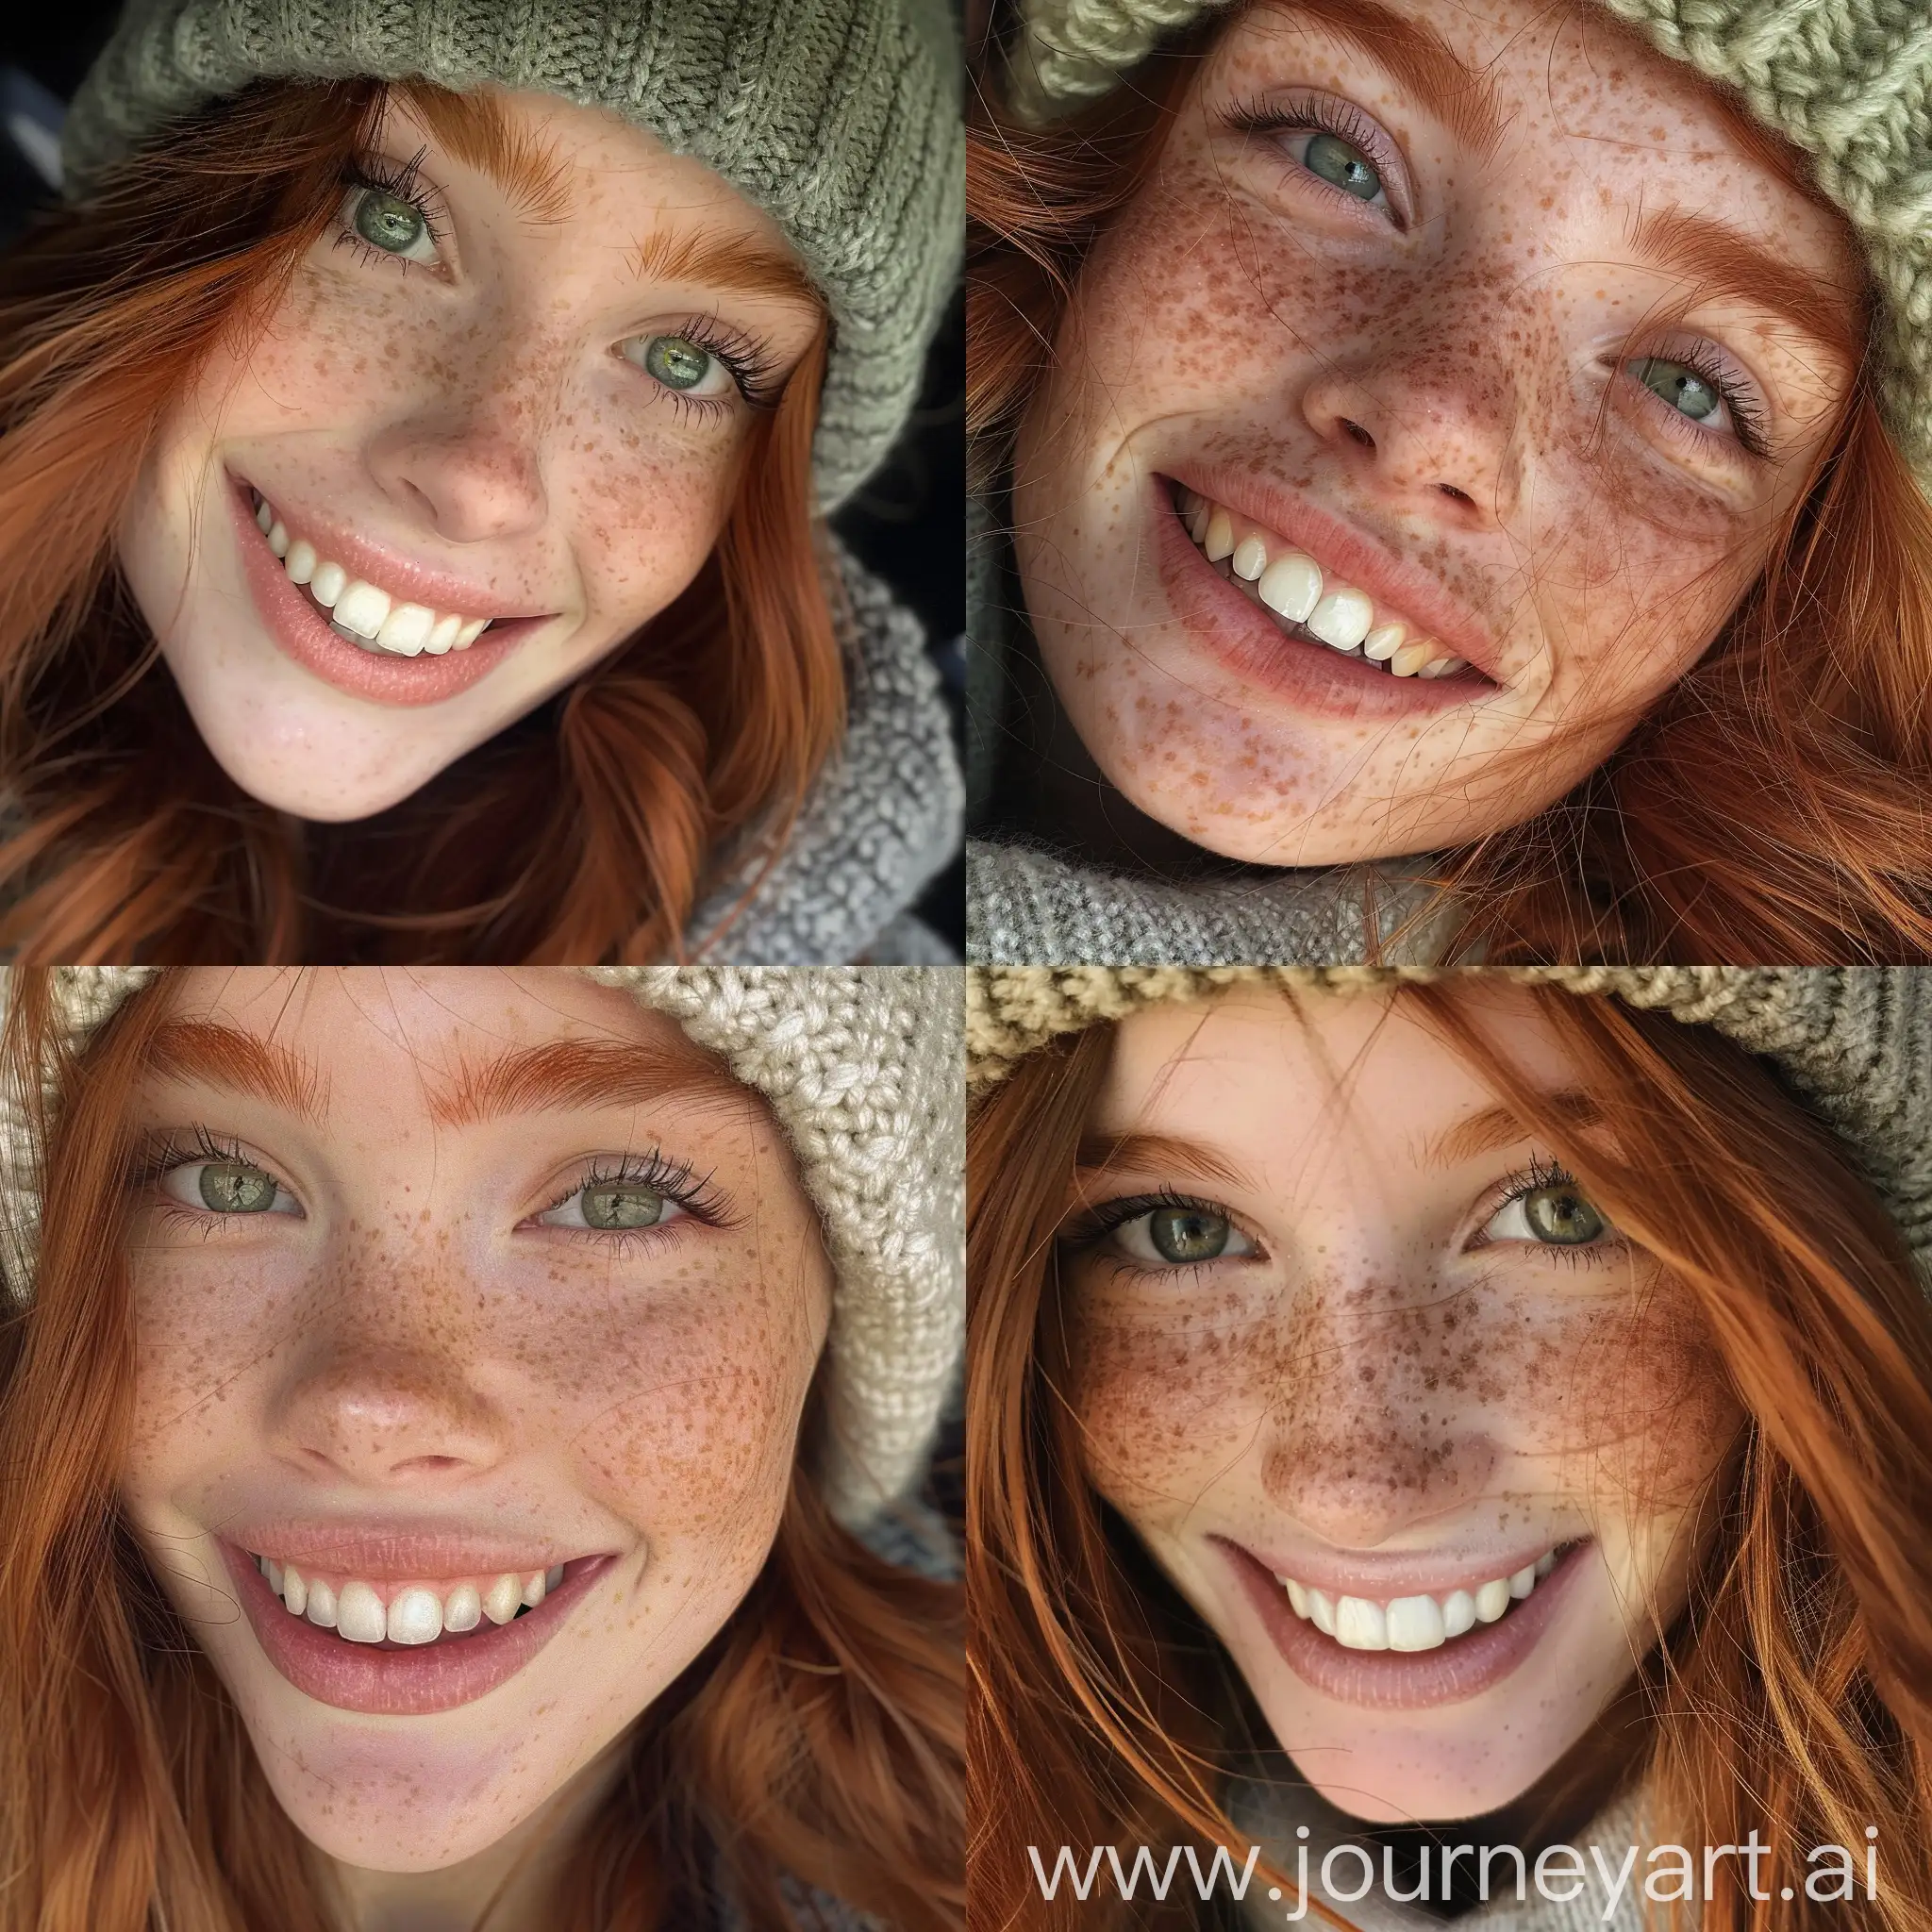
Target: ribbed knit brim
[1849,82]
[840,118]
[1852,1042]
[862,1068]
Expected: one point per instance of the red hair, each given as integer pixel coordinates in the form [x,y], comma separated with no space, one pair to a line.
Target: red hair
[1793,1694]
[1772,805]
[818,1738]
[584,831]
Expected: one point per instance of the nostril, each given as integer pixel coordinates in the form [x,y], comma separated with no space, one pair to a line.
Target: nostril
[1450,490]
[1359,433]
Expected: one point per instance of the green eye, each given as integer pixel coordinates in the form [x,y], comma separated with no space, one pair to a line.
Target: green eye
[622,1203]
[231,1186]
[677,363]
[1188,1234]
[1680,386]
[1561,1216]
[1347,167]
[389,222]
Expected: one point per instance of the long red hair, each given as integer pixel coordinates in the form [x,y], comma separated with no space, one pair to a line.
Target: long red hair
[1772,805]
[1794,1694]
[584,831]
[818,1738]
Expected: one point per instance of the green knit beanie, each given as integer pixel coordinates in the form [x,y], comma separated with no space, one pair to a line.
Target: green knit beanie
[1847,81]
[1853,1044]
[841,119]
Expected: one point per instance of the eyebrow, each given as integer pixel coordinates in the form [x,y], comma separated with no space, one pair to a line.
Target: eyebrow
[1100,1153]
[726,261]
[1413,53]
[1724,261]
[559,1075]
[476,130]
[1490,1127]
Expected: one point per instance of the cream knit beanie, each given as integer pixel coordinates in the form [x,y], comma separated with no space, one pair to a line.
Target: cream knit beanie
[860,1066]
[1852,1042]
[1847,81]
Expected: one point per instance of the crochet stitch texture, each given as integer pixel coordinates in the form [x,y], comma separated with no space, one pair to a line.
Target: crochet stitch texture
[840,118]
[1853,1042]
[1847,81]
[861,1067]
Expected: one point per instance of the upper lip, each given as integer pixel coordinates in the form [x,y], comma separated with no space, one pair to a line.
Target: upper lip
[1382,1578]
[1358,559]
[376,1553]
[389,570]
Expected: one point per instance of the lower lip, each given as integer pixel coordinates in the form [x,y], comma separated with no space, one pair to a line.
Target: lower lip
[295,622]
[1453,1673]
[1245,640]
[406,1681]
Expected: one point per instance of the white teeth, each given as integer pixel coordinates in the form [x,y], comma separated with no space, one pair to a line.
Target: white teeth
[462,1608]
[415,1616]
[1292,587]
[322,1606]
[274,1573]
[551,1578]
[1413,1623]
[361,607]
[405,630]
[534,1589]
[506,1593]
[294,1592]
[1360,1624]
[1491,1600]
[378,622]
[359,1615]
[1343,619]
[1416,1623]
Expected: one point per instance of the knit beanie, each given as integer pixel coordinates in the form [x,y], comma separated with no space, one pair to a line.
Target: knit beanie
[841,119]
[1853,1044]
[1847,81]
[861,1066]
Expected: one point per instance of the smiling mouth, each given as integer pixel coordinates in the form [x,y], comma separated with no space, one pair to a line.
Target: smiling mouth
[362,612]
[1308,603]
[1418,1622]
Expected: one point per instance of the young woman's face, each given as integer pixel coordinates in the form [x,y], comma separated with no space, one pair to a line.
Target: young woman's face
[528,405]
[1401,323]
[502,1274]
[1337,1320]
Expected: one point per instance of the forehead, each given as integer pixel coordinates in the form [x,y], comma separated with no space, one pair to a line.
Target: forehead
[1277,1077]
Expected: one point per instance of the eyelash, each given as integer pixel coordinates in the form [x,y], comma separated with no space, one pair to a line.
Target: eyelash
[378,174]
[162,1153]
[676,1181]
[753,366]
[1553,1173]
[1319,115]
[1087,1230]
[1751,430]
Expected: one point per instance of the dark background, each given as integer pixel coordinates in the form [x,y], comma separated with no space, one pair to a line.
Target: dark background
[907,524]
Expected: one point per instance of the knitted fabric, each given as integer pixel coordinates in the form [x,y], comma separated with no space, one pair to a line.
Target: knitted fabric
[1847,81]
[840,118]
[1852,1042]
[861,1066]
[880,820]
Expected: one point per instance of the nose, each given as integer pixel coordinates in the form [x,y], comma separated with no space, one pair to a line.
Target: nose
[1428,420]
[1368,1435]
[383,1390]
[468,464]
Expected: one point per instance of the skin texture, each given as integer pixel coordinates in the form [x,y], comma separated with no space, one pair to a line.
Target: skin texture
[1380,1377]
[413,1349]
[475,412]
[1446,372]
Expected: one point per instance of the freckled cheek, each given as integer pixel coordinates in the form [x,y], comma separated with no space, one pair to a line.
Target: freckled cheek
[1166,1404]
